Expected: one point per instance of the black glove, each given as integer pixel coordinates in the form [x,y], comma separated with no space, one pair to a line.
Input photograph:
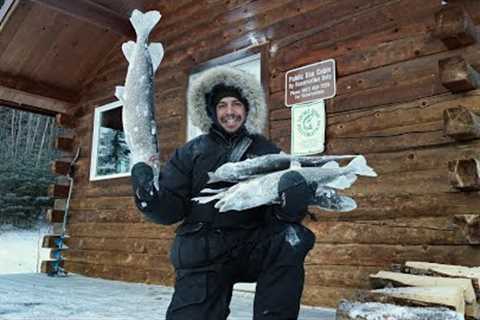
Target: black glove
[142,181]
[295,194]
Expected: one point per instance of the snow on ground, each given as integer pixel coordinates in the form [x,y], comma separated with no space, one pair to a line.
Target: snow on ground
[21,250]
[27,295]
[36,296]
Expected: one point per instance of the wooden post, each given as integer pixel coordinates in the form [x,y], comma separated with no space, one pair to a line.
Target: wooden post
[465,174]
[461,124]
[455,27]
[457,75]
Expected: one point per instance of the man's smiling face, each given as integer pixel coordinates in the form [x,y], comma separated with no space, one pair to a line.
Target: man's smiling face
[231,114]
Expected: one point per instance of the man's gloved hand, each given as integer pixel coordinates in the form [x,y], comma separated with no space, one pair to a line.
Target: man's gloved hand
[295,194]
[142,181]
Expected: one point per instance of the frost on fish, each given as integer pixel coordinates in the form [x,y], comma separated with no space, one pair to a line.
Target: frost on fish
[238,171]
[261,189]
[137,95]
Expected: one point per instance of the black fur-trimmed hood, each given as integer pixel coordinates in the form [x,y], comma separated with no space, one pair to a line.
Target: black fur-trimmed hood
[246,83]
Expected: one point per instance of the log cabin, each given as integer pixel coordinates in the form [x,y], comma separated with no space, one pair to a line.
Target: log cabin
[407,98]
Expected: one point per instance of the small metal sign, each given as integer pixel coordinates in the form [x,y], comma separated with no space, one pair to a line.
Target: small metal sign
[310,83]
[308,128]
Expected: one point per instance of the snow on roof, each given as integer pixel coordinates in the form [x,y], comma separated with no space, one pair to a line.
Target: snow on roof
[37,296]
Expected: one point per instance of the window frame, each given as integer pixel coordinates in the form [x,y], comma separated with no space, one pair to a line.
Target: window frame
[5,11]
[94,146]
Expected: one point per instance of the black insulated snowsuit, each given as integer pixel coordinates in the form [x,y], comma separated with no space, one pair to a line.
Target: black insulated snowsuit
[212,251]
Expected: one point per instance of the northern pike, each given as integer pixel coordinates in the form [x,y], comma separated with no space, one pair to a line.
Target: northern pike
[262,190]
[238,171]
[137,96]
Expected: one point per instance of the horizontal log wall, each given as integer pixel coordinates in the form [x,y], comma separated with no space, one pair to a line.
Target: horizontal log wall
[389,106]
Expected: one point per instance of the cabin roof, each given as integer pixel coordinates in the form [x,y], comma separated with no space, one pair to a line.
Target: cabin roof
[50,49]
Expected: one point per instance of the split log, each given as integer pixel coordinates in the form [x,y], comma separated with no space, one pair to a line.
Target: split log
[455,27]
[55,216]
[461,124]
[385,278]
[457,75]
[465,174]
[48,266]
[449,297]
[444,270]
[347,310]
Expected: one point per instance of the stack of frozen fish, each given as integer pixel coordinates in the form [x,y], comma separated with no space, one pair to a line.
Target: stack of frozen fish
[256,181]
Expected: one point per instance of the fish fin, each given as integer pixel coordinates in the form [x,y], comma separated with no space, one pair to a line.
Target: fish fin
[342,182]
[331,165]
[207,199]
[209,190]
[295,164]
[120,93]
[156,54]
[128,48]
[359,166]
[143,23]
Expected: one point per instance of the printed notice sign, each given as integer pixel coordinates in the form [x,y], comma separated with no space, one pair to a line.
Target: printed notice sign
[308,128]
[310,83]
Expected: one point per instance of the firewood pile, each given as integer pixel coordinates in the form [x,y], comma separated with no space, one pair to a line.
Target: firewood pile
[420,290]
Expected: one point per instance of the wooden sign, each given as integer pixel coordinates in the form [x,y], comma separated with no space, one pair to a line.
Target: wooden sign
[310,83]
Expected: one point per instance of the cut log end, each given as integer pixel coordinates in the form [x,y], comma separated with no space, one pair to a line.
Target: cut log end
[464,174]
[455,27]
[457,75]
[461,124]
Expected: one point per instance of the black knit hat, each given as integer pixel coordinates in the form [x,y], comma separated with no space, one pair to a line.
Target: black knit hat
[219,92]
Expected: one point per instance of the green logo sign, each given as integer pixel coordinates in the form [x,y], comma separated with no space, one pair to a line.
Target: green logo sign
[309,122]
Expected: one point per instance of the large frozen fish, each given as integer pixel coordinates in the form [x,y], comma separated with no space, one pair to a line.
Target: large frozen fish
[137,96]
[238,171]
[261,190]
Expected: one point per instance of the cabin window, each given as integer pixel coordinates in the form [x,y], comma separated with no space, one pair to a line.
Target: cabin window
[5,8]
[110,153]
[250,64]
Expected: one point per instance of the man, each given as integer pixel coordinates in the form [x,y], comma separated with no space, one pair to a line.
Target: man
[212,251]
